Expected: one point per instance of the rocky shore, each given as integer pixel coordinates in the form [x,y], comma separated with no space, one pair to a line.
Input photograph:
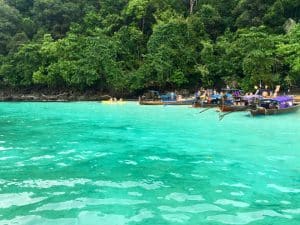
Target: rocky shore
[48,96]
[60,97]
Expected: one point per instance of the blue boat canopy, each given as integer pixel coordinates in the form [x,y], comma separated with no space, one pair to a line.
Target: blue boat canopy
[283,98]
[215,96]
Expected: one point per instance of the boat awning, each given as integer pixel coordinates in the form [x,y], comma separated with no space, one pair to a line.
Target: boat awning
[283,98]
[251,97]
[215,96]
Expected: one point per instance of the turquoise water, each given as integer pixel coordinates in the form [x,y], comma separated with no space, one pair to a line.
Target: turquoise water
[91,163]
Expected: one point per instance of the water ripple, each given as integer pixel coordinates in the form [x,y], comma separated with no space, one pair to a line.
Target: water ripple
[246,217]
[130,184]
[44,184]
[182,197]
[192,209]
[18,199]
[176,218]
[84,202]
[284,189]
[157,158]
[231,202]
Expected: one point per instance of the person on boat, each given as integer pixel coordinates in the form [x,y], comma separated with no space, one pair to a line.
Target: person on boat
[203,97]
[179,98]
[199,92]
[266,91]
[276,91]
[172,96]
[196,94]
[206,98]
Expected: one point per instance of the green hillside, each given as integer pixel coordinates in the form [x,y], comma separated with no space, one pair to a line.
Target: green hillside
[127,46]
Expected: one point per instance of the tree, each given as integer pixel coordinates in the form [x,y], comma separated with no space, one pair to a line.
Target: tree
[172,53]
[274,17]
[290,53]
[257,67]
[251,12]
[249,55]
[55,16]
[211,20]
[18,68]
[126,46]
[206,68]
[9,25]
[192,4]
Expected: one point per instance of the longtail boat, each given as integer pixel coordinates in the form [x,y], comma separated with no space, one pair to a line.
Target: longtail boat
[234,108]
[245,103]
[150,98]
[273,106]
[170,98]
[207,102]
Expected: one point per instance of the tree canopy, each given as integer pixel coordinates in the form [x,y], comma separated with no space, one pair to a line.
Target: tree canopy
[127,46]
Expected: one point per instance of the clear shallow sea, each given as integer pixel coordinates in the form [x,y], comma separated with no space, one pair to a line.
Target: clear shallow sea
[91,163]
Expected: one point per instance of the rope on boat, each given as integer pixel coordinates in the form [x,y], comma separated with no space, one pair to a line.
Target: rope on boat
[221,116]
[204,110]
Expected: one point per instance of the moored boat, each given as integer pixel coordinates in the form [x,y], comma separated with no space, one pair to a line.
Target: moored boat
[211,101]
[273,106]
[170,98]
[150,98]
[245,103]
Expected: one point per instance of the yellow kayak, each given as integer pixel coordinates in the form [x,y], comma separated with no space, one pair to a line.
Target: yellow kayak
[113,102]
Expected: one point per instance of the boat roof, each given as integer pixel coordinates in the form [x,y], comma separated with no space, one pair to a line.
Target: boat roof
[283,98]
[247,97]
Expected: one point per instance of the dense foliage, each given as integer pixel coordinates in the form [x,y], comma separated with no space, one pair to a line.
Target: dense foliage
[126,46]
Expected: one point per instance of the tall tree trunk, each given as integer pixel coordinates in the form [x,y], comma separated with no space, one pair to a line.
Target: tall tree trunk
[143,24]
[192,4]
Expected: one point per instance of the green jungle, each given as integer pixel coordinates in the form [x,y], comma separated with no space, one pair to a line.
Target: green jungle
[125,47]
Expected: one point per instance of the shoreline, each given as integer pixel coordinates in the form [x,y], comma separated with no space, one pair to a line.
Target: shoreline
[8,96]
[64,97]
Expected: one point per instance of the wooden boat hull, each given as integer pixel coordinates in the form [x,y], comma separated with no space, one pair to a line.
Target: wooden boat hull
[264,111]
[233,108]
[151,102]
[205,105]
[185,102]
